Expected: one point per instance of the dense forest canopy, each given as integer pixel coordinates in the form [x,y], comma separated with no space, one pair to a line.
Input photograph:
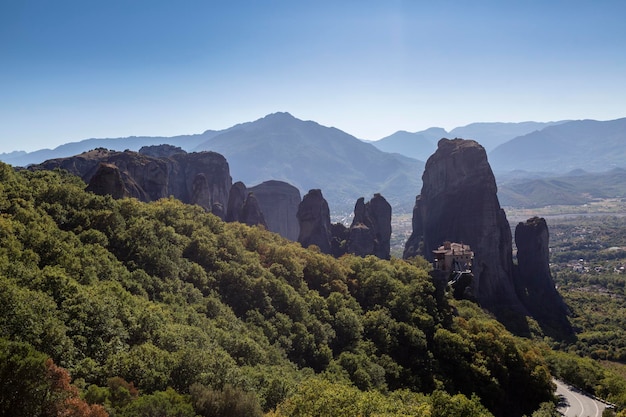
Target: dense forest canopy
[162,306]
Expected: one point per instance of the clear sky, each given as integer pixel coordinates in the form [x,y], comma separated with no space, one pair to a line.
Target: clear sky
[71,70]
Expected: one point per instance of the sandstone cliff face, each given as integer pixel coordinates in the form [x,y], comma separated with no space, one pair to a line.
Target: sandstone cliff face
[370,232]
[458,203]
[279,203]
[197,178]
[314,219]
[533,279]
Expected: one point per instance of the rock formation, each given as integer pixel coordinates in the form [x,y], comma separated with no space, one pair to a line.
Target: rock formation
[533,279]
[458,203]
[186,167]
[196,178]
[200,192]
[370,232]
[279,203]
[108,180]
[243,207]
[161,151]
[251,212]
[236,199]
[314,218]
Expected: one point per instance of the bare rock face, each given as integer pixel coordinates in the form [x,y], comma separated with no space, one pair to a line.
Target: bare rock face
[197,178]
[108,181]
[185,169]
[251,212]
[236,199]
[201,194]
[370,232]
[243,206]
[314,219]
[533,279]
[279,203]
[361,240]
[458,203]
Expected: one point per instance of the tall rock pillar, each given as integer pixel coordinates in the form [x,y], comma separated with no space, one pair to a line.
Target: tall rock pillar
[370,232]
[314,219]
[459,203]
[533,279]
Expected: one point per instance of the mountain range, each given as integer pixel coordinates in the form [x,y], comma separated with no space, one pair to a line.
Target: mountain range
[529,158]
[581,144]
[574,188]
[310,156]
[420,145]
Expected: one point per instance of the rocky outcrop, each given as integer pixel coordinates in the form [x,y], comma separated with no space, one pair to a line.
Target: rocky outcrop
[186,168]
[161,151]
[196,178]
[370,232]
[243,207]
[108,181]
[458,203]
[200,192]
[361,240]
[533,279]
[314,219]
[279,203]
[236,200]
[251,212]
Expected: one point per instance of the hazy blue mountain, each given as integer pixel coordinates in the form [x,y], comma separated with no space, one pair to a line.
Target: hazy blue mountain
[553,165]
[133,143]
[418,145]
[308,155]
[582,144]
[491,135]
[573,188]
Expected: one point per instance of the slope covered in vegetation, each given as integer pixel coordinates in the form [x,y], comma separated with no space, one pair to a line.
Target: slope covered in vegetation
[162,306]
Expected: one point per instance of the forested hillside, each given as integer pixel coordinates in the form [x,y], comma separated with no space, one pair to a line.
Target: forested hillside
[161,306]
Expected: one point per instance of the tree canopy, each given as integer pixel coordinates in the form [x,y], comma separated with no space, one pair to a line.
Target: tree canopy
[163,308]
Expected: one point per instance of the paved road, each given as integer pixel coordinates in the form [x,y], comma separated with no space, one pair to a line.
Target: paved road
[577,404]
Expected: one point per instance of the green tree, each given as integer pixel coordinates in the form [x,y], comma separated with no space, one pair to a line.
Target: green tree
[227,402]
[32,385]
[166,403]
[445,405]
[23,383]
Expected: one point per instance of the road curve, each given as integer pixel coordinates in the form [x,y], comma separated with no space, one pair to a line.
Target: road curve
[576,404]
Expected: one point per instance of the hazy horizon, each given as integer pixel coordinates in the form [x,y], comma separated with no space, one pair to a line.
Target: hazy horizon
[75,70]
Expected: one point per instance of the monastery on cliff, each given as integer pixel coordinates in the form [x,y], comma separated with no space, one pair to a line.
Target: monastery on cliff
[453,256]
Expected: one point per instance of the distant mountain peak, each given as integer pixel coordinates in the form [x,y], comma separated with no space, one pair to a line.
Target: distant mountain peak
[277,119]
[280,115]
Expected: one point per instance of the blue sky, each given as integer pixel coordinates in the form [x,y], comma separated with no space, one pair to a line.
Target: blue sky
[71,70]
